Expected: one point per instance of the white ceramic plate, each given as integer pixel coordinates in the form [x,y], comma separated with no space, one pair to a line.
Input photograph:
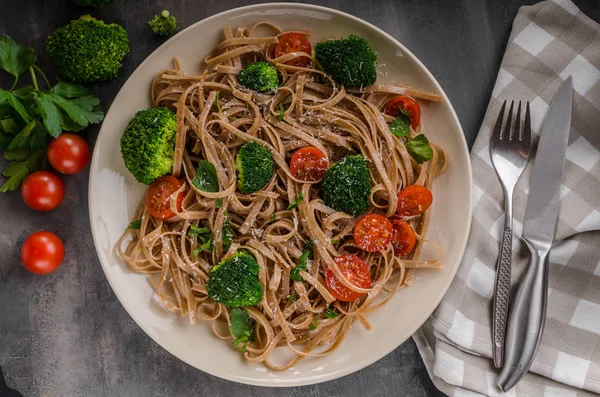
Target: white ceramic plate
[114,197]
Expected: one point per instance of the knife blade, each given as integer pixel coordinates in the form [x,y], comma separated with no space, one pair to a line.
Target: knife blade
[528,312]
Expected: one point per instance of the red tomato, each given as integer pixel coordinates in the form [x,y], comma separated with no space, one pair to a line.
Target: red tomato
[355,270]
[69,153]
[404,237]
[43,191]
[373,233]
[308,164]
[414,200]
[294,42]
[407,103]
[42,252]
[159,196]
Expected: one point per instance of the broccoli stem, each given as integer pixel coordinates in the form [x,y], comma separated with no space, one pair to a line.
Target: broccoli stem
[34,79]
[37,68]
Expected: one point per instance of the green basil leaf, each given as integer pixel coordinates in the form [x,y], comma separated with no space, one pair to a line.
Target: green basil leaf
[297,202]
[401,126]
[15,59]
[206,177]
[419,148]
[242,329]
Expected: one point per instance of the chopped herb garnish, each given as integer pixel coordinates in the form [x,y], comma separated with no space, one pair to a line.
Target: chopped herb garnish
[218,203]
[206,177]
[281,112]
[401,126]
[217,102]
[204,236]
[419,148]
[297,202]
[302,261]
[335,241]
[227,234]
[292,297]
[135,224]
[330,313]
[272,218]
[241,328]
[314,324]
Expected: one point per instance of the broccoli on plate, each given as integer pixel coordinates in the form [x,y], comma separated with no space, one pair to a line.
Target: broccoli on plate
[234,281]
[91,3]
[259,76]
[164,24]
[349,61]
[147,145]
[254,165]
[88,50]
[347,185]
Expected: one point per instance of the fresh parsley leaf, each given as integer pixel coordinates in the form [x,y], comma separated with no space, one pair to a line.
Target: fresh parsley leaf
[330,313]
[242,329]
[24,93]
[15,103]
[18,154]
[135,225]
[15,59]
[419,148]
[281,112]
[292,297]
[206,177]
[207,245]
[8,125]
[69,90]
[218,203]
[401,126]
[18,170]
[227,234]
[51,114]
[5,140]
[314,324]
[302,261]
[297,202]
[83,110]
[32,136]
[204,236]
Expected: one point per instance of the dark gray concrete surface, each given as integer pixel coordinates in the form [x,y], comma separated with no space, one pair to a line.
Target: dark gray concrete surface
[66,334]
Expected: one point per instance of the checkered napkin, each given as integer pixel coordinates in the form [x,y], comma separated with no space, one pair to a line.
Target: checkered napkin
[549,42]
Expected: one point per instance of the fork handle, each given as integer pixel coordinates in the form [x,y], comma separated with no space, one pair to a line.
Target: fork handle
[502,286]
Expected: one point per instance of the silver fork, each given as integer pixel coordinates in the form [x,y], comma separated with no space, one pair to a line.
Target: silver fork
[509,149]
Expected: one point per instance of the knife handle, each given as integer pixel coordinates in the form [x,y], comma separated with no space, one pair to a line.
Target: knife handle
[527,318]
[502,291]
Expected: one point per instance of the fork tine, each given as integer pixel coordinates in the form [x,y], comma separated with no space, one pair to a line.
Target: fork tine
[496,133]
[527,126]
[508,125]
[516,132]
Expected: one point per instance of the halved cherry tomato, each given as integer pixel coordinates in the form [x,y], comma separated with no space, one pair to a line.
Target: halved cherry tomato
[355,270]
[404,237]
[309,164]
[69,153]
[43,191]
[373,232]
[407,103]
[294,42]
[159,196]
[42,252]
[414,200]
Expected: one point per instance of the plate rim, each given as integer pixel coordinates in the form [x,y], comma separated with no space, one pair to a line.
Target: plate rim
[266,381]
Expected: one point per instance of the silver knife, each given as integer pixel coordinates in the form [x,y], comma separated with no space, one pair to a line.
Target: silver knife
[528,312]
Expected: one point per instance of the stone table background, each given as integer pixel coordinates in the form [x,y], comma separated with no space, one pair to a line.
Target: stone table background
[66,334]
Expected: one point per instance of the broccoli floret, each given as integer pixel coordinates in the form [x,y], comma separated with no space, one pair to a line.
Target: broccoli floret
[91,3]
[88,50]
[347,185]
[163,25]
[234,281]
[254,165]
[147,145]
[259,76]
[349,61]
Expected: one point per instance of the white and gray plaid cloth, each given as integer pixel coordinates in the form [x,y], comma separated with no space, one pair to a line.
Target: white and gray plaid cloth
[549,42]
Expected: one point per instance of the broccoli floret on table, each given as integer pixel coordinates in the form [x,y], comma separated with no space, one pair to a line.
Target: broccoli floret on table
[349,61]
[91,3]
[259,76]
[234,282]
[347,186]
[88,50]
[254,165]
[164,24]
[147,145]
